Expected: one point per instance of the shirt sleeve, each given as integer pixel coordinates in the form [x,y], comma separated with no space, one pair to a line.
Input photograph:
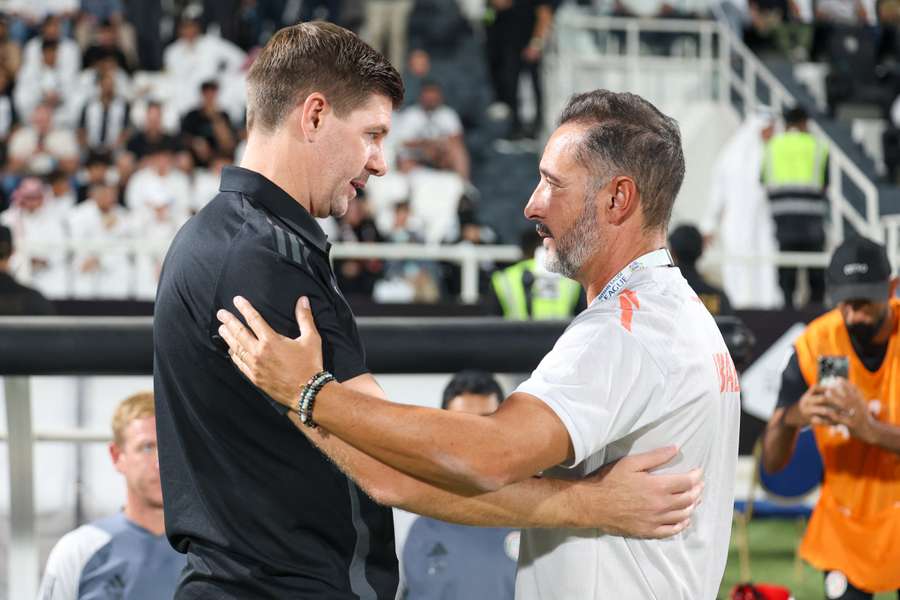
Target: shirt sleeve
[793,385]
[600,382]
[62,576]
[273,283]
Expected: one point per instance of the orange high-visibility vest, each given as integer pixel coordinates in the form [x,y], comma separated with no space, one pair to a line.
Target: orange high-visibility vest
[855,527]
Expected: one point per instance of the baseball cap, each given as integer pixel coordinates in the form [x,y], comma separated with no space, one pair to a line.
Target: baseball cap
[859,270]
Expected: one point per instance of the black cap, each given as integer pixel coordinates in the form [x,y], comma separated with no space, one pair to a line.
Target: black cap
[859,270]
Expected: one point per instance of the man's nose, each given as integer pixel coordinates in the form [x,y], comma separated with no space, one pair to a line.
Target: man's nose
[377,166]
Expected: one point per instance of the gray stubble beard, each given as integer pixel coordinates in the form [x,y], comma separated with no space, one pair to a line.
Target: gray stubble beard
[575,247]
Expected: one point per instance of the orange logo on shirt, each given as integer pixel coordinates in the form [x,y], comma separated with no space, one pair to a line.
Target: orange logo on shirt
[628,301]
[728,378]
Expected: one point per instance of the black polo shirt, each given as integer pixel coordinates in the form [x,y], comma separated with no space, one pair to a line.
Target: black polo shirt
[259,510]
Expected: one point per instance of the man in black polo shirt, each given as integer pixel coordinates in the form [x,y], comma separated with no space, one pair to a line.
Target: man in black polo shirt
[260,512]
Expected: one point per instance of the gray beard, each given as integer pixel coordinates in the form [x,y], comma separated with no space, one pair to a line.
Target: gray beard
[575,247]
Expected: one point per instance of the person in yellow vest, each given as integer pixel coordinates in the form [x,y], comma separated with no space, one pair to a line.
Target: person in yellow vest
[527,290]
[795,175]
[853,535]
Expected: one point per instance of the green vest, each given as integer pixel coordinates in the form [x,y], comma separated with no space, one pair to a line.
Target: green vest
[551,298]
[794,173]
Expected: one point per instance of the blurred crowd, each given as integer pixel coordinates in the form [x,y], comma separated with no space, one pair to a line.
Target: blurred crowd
[117,116]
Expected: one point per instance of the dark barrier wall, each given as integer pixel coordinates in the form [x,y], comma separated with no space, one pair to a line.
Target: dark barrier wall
[123,346]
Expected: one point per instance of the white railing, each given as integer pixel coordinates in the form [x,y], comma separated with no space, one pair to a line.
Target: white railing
[746,84]
[584,46]
[584,41]
[467,256]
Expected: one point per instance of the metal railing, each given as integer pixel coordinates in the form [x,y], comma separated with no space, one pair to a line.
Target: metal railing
[745,84]
[731,75]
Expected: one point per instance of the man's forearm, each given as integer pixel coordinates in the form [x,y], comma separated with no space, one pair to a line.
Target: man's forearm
[529,503]
[778,442]
[468,453]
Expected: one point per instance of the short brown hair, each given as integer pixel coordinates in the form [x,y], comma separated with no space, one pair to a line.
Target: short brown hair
[316,57]
[627,135]
[137,406]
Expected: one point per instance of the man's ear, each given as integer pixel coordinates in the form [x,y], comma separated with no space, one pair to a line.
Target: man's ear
[115,453]
[313,112]
[621,199]
[892,287]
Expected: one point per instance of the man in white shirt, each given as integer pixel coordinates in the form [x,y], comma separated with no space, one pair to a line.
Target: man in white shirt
[101,272]
[430,134]
[43,146]
[196,57]
[35,225]
[159,173]
[69,55]
[45,82]
[643,366]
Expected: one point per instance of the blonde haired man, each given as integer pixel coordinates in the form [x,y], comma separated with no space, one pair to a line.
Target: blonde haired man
[125,555]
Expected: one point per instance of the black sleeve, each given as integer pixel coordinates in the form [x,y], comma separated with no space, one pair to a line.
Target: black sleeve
[792,383]
[273,284]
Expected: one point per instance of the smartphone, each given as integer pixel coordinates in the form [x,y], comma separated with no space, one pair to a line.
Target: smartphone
[832,367]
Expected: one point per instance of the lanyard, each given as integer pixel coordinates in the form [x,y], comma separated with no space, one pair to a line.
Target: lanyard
[657,258]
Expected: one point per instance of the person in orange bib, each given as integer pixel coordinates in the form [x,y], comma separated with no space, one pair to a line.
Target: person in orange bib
[854,532]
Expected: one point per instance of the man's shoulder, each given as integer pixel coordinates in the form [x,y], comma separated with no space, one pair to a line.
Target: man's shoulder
[248,243]
[75,549]
[823,325]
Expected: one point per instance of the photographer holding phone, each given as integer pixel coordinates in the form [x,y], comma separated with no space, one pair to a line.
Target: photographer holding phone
[843,380]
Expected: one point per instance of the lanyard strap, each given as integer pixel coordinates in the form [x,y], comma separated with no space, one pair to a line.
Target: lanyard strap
[657,258]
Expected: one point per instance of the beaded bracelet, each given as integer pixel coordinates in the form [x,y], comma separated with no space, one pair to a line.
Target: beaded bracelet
[308,396]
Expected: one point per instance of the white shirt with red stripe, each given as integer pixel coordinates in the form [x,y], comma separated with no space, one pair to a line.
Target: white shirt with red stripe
[643,367]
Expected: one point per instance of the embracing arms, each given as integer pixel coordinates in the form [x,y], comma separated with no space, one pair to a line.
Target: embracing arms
[624,498]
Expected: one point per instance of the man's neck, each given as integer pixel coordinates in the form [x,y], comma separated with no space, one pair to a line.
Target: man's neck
[150,518]
[603,267]
[275,159]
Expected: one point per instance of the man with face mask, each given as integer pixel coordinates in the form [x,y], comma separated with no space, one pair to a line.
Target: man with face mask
[852,535]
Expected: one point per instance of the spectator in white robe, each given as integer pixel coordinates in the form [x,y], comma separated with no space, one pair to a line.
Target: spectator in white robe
[35,224]
[739,221]
[101,272]
[158,219]
[196,57]
[159,172]
[42,146]
[44,82]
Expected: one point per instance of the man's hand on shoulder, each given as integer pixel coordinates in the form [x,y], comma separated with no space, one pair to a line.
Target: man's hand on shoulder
[626,498]
[278,365]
